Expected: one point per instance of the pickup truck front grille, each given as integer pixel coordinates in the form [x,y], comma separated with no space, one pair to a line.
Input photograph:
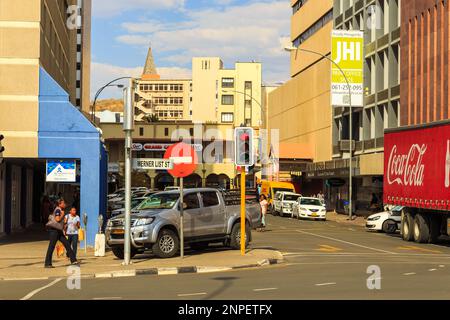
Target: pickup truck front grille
[121,222]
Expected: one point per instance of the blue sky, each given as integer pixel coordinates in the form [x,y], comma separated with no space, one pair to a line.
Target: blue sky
[235,30]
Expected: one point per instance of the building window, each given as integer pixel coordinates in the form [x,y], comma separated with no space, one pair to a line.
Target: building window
[141,131]
[297,6]
[248,85]
[227,83]
[191,131]
[228,100]
[228,117]
[314,28]
[166,132]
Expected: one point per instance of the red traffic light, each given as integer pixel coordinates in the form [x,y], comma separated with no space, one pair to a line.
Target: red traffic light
[245,136]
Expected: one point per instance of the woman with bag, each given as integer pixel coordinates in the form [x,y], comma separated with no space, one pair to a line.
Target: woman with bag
[55,227]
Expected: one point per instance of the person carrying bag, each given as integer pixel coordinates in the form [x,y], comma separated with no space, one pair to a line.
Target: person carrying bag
[55,228]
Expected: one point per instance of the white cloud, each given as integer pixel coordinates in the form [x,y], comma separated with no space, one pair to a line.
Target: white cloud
[102,73]
[110,8]
[255,31]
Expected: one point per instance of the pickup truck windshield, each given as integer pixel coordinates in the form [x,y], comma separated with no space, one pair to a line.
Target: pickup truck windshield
[159,201]
[311,202]
[291,197]
[276,190]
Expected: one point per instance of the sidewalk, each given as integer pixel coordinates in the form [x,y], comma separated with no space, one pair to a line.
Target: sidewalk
[342,218]
[24,260]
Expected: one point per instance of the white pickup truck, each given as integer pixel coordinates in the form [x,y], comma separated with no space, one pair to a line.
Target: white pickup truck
[284,202]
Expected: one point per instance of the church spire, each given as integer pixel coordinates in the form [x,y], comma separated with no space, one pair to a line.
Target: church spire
[150,72]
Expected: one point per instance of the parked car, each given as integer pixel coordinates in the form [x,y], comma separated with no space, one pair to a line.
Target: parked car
[309,208]
[284,202]
[156,223]
[172,189]
[134,203]
[271,188]
[388,221]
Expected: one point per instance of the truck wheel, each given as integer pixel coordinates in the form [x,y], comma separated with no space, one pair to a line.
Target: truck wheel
[435,228]
[408,227]
[235,241]
[119,252]
[421,228]
[167,244]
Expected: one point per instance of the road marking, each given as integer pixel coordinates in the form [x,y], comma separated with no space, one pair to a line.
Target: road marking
[410,274]
[346,242]
[418,249]
[431,270]
[108,298]
[441,266]
[265,289]
[32,293]
[192,294]
[325,284]
[327,248]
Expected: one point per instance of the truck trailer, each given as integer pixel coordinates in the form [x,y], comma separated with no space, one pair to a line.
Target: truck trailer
[417,177]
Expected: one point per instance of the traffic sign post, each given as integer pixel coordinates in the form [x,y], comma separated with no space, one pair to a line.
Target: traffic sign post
[184,159]
[244,158]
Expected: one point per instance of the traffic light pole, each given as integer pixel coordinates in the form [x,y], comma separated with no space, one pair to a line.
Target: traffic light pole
[243,219]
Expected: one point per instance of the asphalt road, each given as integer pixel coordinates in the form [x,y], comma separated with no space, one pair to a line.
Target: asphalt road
[324,260]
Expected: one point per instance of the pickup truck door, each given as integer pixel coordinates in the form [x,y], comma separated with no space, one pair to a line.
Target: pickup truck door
[213,214]
[192,222]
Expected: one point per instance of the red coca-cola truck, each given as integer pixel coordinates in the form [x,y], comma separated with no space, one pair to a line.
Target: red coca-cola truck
[417,177]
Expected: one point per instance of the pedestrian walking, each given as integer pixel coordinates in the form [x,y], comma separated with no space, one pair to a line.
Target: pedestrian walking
[72,222]
[264,208]
[55,227]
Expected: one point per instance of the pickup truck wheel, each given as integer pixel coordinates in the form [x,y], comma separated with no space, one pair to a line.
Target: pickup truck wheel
[408,227]
[119,252]
[167,244]
[421,228]
[235,241]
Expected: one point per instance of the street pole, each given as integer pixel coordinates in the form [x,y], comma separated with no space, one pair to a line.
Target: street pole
[243,220]
[128,127]
[350,178]
[181,218]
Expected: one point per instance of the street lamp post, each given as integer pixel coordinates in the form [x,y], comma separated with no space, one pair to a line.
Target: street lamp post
[97,95]
[350,183]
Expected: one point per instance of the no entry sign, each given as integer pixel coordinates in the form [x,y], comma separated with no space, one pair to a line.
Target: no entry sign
[184,159]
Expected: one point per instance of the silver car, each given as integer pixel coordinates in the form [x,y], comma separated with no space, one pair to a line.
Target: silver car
[155,223]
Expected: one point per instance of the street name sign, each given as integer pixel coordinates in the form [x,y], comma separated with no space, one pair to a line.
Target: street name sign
[152,164]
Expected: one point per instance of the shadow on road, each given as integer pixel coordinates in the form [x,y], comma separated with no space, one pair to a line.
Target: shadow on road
[227,282]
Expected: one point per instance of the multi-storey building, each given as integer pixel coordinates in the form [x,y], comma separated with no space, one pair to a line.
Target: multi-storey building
[300,109]
[425,62]
[228,96]
[44,82]
[380,21]
[166,99]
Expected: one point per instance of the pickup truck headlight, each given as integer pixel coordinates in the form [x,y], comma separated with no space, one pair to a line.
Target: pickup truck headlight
[144,222]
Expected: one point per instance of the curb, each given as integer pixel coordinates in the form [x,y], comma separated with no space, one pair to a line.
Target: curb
[158,271]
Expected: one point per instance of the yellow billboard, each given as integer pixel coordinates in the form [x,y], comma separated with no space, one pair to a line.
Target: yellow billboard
[348,56]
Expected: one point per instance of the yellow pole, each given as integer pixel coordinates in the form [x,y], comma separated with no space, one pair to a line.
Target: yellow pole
[243,220]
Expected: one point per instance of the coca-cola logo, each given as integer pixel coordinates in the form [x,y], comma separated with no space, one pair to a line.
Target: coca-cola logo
[407,169]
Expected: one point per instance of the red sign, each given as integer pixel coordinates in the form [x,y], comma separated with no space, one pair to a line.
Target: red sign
[184,159]
[417,167]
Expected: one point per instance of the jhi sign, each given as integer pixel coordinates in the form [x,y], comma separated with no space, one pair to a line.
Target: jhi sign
[348,54]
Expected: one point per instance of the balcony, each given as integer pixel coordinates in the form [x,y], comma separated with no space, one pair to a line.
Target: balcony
[369,100]
[395,92]
[383,95]
[373,144]
[395,35]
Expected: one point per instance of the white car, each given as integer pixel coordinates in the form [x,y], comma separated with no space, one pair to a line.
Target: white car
[284,202]
[310,208]
[388,221]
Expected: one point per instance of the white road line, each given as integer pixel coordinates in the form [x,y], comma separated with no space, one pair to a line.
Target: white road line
[108,298]
[32,293]
[264,289]
[441,266]
[431,270]
[410,274]
[346,242]
[325,284]
[192,294]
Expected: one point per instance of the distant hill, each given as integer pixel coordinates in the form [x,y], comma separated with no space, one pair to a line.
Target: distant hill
[114,105]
